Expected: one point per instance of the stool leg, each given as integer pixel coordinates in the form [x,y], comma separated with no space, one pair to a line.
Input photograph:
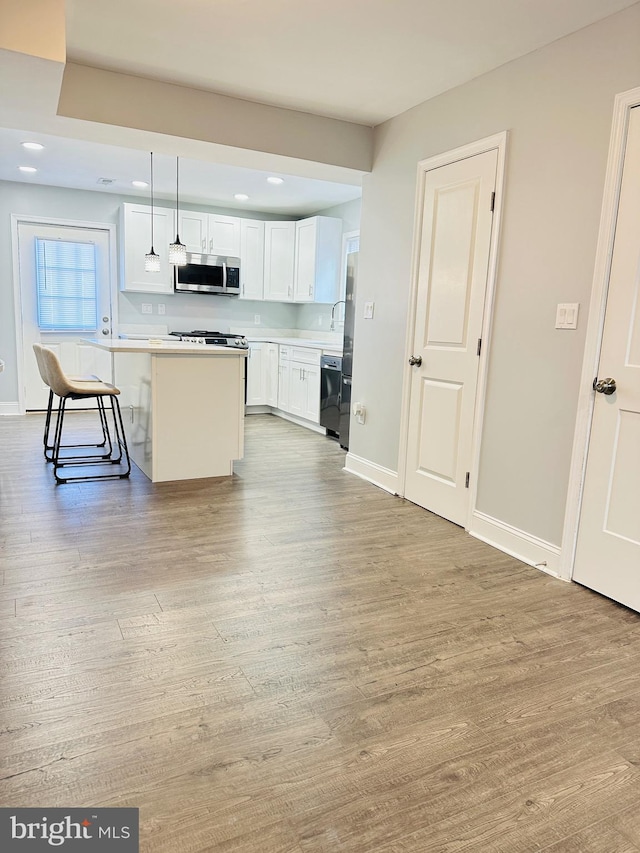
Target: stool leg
[121,438]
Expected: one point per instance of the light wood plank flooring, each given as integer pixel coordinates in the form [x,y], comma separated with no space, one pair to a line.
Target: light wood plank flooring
[294,661]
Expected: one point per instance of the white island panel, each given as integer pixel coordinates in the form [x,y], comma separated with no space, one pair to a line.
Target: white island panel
[182,406]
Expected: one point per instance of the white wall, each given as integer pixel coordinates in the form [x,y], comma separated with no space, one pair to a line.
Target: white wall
[557,105]
[183,311]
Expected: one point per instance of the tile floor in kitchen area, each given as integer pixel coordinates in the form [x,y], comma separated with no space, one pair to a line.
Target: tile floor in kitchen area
[294,661]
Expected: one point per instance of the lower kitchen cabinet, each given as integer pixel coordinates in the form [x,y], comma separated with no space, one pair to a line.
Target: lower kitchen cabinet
[286,378]
[304,391]
[256,374]
[272,378]
[262,374]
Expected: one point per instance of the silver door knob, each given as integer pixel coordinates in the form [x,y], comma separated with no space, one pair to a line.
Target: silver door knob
[604,386]
[105,331]
[415,360]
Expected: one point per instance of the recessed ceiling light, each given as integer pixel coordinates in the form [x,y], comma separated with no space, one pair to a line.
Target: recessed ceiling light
[27,168]
[141,184]
[275,180]
[33,146]
[241,197]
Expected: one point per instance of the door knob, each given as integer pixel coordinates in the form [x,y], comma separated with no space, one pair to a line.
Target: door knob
[604,386]
[105,331]
[415,360]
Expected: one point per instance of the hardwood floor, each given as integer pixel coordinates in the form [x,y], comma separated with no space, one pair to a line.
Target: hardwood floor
[294,661]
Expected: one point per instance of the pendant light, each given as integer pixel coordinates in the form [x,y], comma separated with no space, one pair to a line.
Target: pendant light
[177,250]
[151,260]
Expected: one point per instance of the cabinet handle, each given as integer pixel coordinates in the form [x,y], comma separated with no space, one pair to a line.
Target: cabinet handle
[211,244]
[204,245]
[311,290]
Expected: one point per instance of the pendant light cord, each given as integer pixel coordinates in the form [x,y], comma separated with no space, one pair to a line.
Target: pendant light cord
[152,202]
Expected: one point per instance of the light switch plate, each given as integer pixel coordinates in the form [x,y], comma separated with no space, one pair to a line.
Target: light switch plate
[147,308]
[567,315]
[368,310]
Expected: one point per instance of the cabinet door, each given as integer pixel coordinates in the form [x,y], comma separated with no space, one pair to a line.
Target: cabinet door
[312,393]
[318,259]
[224,235]
[135,242]
[305,260]
[193,230]
[297,389]
[251,259]
[272,371]
[284,380]
[279,247]
[256,375]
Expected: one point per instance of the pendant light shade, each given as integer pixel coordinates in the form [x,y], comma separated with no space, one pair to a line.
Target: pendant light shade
[151,260]
[177,250]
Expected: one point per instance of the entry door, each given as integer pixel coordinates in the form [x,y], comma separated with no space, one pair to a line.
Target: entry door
[452,277]
[608,549]
[57,265]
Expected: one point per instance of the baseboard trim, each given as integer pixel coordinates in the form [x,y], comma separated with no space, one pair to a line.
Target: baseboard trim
[10,409]
[517,543]
[384,478]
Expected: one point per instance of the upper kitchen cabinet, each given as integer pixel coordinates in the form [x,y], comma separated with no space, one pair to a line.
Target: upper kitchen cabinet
[210,233]
[279,251]
[251,259]
[135,242]
[317,259]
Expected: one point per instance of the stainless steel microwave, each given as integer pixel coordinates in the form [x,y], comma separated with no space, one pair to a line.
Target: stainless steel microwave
[208,274]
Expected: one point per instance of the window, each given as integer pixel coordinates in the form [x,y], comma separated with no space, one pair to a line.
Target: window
[66,285]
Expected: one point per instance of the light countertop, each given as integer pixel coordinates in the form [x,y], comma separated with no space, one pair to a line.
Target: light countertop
[325,346]
[163,347]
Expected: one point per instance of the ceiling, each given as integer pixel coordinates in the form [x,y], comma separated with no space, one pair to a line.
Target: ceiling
[363,61]
[81,164]
[360,60]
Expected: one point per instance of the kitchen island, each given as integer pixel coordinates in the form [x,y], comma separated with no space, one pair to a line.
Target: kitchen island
[182,406]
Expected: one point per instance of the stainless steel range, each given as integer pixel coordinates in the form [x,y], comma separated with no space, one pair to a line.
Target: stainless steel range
[217,339]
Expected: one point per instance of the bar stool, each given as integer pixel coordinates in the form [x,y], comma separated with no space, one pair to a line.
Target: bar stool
[67,389]
[48,448]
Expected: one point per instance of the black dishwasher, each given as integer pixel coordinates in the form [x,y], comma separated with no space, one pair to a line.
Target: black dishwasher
[330,387]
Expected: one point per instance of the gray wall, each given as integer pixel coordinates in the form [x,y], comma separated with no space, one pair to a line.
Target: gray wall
[557,105]
[182,311]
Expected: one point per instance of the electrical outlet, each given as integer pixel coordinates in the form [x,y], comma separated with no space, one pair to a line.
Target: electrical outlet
[162,308]
[368,310]
[147,308]
[256,319]
[360,412]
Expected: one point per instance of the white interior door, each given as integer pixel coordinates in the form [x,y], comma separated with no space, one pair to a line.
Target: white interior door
[59,266]
[608,548]
[452,278]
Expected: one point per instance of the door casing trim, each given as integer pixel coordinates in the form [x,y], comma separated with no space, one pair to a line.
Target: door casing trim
[623,104]
[496,141]
[18,219]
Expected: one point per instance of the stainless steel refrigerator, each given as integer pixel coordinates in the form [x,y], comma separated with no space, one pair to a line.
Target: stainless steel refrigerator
[347,349]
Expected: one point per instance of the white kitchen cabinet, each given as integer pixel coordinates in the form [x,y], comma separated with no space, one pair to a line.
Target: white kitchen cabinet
[279,252]
[299,391]
[304,391]
[135,242]
[284,376]
[256,374]
[210,233]
[317,259]
[193,228]
[251,259]
[272,365]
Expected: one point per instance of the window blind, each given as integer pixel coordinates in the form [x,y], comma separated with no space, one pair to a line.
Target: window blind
[67,285]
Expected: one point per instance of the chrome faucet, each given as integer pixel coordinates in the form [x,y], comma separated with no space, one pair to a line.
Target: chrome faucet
[332,327]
